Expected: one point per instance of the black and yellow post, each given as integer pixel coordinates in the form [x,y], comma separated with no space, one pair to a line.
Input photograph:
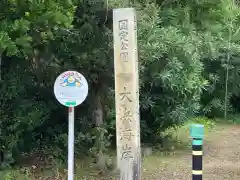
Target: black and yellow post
[197,159]
[197,134]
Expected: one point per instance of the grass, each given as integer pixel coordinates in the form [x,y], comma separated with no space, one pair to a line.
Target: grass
[178,142]
[232,119]
[180,136]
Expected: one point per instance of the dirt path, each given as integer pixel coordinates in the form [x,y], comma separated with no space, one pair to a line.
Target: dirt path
[221,159]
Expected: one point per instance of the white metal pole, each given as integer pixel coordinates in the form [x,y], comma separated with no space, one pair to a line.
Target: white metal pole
[71,144]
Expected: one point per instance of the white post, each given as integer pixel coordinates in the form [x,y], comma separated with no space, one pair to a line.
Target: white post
[71,144]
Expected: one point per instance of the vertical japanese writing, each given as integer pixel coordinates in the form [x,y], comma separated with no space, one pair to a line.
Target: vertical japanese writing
[127,152]
[126,119]
[123,35]
[126,134]
[126,92]
[125,95]
[124,56]
[127,116]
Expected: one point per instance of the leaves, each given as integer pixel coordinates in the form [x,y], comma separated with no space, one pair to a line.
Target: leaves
[182,50]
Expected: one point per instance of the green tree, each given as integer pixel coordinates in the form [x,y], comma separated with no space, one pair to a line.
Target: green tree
[26,30]
[185,49]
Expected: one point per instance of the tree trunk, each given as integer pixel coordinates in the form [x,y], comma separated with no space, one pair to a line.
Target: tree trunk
[98,111]
[98,118]
[0,67]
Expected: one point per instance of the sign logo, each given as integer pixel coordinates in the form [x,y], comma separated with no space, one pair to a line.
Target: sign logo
[71,81]
[71,88]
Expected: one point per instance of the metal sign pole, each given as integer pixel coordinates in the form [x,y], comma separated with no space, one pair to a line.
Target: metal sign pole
[71,89]
[71,144]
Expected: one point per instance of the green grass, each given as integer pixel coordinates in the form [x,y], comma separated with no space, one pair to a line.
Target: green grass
[180,136]
[13,175]
[232,119]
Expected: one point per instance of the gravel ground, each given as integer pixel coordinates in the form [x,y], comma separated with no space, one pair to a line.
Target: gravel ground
[221,160]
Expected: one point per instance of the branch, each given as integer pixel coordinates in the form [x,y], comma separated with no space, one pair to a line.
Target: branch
[0,67]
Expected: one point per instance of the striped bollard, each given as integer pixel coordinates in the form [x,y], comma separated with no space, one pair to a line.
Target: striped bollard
[197,135]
